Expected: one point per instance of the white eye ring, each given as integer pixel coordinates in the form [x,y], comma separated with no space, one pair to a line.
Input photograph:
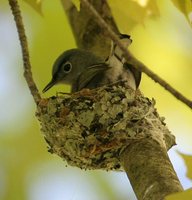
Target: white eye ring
[67,67]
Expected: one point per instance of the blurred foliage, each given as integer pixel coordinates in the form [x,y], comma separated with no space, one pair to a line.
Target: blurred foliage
[35,4]
[188,162]
[131,13]
[161,39]
[137,10]
[185,6]
[186,195]
[77,4]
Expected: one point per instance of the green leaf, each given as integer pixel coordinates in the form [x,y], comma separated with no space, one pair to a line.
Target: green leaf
[186,195]
[188,162]
[36,5]
[131,13]
[185,6]
[77,4]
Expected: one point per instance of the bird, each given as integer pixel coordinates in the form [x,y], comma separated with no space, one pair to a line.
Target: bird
[83,69]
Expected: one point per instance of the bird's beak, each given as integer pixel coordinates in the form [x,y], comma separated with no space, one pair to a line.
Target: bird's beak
[49,85]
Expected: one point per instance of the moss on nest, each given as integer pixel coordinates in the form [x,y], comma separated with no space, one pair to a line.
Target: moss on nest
[90,129]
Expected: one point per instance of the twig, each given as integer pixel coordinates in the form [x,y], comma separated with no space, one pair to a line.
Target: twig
[24,46]
[132,60]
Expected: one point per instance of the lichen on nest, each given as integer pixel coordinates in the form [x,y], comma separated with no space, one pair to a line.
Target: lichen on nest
[90,129]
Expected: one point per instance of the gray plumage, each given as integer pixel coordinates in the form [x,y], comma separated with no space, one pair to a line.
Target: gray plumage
[82,69]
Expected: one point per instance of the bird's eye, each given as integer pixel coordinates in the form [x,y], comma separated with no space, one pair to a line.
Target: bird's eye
[67,67]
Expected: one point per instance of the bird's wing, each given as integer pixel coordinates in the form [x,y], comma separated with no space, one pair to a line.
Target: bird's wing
[117,54]
[136,73]
[89,74]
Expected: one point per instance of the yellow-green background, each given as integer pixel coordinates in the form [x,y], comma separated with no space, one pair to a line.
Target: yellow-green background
[27,170]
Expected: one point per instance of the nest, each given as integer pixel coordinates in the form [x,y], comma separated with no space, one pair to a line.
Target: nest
[90,129]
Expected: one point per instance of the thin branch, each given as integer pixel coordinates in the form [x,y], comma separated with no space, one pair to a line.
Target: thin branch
[132,60]
[25,52]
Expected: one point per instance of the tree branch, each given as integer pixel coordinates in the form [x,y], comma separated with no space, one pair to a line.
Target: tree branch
[24,46]
[155,181]
[131,59]
[87,33]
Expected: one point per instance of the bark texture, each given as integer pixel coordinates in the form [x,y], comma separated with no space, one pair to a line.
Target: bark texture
[88,34]
[149,170]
